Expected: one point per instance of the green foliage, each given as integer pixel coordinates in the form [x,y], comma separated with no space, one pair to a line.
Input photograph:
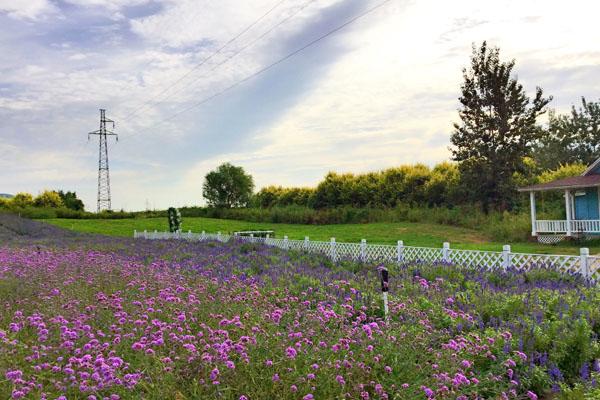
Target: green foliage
[71,201]
[174,219]
[48,199]
[228,186]
[563,171]
[22,200]
[571,138]
[497,128]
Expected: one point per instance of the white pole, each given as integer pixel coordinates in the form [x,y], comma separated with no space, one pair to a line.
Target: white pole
[285,242]
[363,250]
[134,233]
[306,241]
[332,249]
[583,260]
[384,291]
[568,206]
[506,258]
[533,214]
[400,251]
[446,252]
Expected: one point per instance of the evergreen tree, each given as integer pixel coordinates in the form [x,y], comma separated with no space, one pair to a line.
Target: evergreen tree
[497,128]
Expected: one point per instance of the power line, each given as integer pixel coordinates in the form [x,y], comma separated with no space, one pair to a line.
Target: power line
[205,60]
[279,61]
[237,52]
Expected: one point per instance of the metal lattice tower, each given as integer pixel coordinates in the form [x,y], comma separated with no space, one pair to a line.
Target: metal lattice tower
[103,174]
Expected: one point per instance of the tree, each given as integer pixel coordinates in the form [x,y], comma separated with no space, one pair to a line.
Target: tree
[497,128]
[22,200]
[71,201]
[228,186]
[48,198]
[571,138]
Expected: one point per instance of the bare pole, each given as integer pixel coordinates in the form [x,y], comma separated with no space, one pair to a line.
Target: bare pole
[104,201]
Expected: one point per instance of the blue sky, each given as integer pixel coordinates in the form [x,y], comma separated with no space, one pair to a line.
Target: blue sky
[380,93]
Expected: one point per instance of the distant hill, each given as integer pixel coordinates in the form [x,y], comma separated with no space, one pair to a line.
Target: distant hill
[6,196]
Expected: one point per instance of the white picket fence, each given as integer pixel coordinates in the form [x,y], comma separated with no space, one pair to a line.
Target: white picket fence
[586,265]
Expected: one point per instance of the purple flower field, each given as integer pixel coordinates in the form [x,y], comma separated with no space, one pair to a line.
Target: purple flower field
[88,317]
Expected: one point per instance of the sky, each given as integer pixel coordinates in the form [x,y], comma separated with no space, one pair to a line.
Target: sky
[381,92]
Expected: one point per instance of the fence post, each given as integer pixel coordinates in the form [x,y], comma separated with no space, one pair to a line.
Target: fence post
[203,236]
[506,257]
[219,236]
[306,242]
[189,234]
[134,233]
[332,249]
[400,251]
[363,250]
[585,268]
[285,242]
[446,252]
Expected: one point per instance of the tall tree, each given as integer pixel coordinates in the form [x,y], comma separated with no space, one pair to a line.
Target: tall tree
[571,138]
[228,186]
[71,201]
[496,130]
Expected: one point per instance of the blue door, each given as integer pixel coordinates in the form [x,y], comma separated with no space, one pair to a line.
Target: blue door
[586,205]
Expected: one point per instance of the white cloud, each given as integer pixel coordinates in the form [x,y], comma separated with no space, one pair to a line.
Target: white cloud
[28,9]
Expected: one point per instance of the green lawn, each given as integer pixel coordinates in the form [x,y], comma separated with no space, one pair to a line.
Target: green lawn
[413,234]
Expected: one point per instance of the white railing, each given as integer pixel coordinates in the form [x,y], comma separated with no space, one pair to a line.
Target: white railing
[560,226]
[588,266]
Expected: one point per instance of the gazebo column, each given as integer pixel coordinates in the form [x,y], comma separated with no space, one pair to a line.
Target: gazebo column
[533,214]
[569,216]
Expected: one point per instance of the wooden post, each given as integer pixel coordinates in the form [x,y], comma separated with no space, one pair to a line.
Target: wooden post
[332,249]
[363,250]
[533,214]
[285,242]
[306,241]
[506,257]
[569,216]
[446,252]
[400,251]
[583,256]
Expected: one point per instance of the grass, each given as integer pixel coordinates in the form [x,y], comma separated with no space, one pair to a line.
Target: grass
[412,233]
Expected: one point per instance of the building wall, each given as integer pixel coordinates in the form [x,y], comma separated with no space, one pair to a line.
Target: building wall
[586,204]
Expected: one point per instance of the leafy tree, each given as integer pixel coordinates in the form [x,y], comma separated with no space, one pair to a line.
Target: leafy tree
[497,128]
[571,138]
[71,201]
[22,200]
[228,186]
[48,198]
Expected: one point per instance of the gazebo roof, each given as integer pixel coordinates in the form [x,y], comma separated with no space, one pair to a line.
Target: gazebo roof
[574,182]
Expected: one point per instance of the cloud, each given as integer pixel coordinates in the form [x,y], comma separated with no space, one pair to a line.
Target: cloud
[379,93]
[29,9]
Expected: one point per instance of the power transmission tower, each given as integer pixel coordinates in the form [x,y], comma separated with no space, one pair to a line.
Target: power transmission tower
[103,175]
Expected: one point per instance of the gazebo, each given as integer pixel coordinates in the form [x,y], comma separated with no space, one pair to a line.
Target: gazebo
[581,203]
